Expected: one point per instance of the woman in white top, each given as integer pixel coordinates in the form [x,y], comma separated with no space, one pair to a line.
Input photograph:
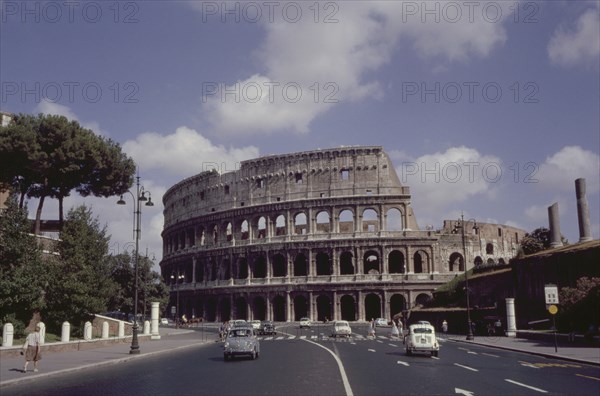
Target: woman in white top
[32,349]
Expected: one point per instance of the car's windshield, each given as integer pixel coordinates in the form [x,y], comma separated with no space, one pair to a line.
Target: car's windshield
[239,333]
[423,330]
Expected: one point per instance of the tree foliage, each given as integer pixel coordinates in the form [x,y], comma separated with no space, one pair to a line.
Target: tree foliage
[49,156]
[537,240]
[22,273]
[580,304]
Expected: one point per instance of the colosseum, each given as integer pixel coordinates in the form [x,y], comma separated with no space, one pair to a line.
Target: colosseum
[327,234]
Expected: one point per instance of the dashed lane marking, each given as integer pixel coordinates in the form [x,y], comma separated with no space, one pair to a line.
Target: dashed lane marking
[490,355]
[465,367]
[472,353]
[587,376]
[371,350]
[526,386]
[403,363]
[394,345]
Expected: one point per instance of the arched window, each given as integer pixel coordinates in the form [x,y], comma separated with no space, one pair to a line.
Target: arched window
[323,222]
[280,225]
[346,265]
[393,220]
[456,262]
[371,262]
[346,223]
[396,262]
[370,221]
[300,265]
[300,224]
[489,248]
[244,230]
[323,264]
[261,228]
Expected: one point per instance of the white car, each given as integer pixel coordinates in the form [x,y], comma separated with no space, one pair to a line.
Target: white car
[164,321]
[238,322]
[421,338]
[341,328]
[381,322]
[304,322]
[255,324]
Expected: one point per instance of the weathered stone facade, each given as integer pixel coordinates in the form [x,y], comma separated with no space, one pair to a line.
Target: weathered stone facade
[324,234]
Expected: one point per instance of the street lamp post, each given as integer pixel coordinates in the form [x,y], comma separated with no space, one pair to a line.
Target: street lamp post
[140,196]
[175,280]
[461,225]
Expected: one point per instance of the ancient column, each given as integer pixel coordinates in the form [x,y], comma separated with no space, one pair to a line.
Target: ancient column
[511,326]
[154,333]
[554,222]
[583,212]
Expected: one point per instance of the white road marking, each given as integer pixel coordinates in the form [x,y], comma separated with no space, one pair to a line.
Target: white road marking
[463,392]
[268,338]
[403,363]
[435,357]
[472,353]
[379,341]
[291,337]
[371,350]
[489,354]
[340,366]
[353,343]
[526,386]
[465,367]
[464,349]
[394,345]
[302,337]
[279,338]
[525,364]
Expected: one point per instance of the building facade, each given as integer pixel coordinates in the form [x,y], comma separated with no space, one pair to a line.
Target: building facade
[328,234]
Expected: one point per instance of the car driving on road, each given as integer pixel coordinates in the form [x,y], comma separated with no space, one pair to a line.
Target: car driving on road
[304,322]
[241,341]
[341,328]
[267,327]
[421,338]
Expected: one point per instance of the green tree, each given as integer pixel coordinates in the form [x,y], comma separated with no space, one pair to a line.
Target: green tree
[49,156]
[22,273]
[82,283]
[579,304]
[537,240]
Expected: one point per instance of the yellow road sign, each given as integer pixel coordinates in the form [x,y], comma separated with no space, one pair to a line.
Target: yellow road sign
[553,309]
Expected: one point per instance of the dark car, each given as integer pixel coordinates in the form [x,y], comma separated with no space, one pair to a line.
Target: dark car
[267,327]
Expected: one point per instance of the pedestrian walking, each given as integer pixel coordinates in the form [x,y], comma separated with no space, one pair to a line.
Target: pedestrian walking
[31,349]
[395,332]
[372,328]
[444,326]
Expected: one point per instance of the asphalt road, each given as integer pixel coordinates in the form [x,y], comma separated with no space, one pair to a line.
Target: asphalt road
[306,365]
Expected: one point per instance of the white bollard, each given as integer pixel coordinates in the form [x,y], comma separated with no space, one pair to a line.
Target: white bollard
[65,334]
[8,332]
[105,329]
[42,332]
[87,331]
[155,335]
[121,329]
[146,327]
[511,324]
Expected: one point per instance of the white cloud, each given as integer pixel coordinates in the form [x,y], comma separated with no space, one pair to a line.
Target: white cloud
[184,153]
[342,54]
[48,107]
[559,171]
[579,44]
[447,178]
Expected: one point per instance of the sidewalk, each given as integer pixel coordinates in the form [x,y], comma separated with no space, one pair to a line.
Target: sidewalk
[575,353]
[60,362]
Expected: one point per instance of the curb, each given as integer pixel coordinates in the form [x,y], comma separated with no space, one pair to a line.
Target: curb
[93,365]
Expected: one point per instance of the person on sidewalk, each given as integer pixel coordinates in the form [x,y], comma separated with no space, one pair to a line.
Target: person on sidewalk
[444,327]
[32,349]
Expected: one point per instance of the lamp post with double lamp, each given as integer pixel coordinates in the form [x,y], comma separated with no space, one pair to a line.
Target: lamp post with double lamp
[175,281]
[138,197]
[461,224]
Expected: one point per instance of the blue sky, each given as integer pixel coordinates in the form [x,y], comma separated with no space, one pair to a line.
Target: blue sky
[506,93]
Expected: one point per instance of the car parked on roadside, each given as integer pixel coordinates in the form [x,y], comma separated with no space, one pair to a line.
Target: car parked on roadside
[341,328]
[241,341]
[164,321]
[255,324]
[267,327]
[421,338]
[381,322]
[305,322]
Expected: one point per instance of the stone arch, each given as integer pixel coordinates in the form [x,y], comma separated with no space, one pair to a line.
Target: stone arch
[241,308]
[228,229]
[279,309]
[260,267]
[370,220]
[323,222]
[261,228]
[348,308]
[280,225]
[421,262]
[215,233]
[478,261]
[456,262]
[491,261]
[346,263]
[393,220]
[200,240]
[397,304]
[372,306]
[242,268]
[323,264]
[300,224]
[225,269]
[501,261]
[244,230]
[213,269]
[300,265]
[300,307]
[211,309]
[279,264]
[323,308]
[346,221]
[396,262]
[371,262]
[422,299]
[259,308]
[225,309]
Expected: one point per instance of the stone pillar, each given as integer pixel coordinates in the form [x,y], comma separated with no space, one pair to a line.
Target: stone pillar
[65,334]
[335,314]
[8,332]
[105,330]
[121,330]
[146,327]
[386,306]
[288,306]
[311,305]
[361,306]
[42,332]
[554,222]
[193,269]
[583,212]
[154,331]
[87,331]
[511,325]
